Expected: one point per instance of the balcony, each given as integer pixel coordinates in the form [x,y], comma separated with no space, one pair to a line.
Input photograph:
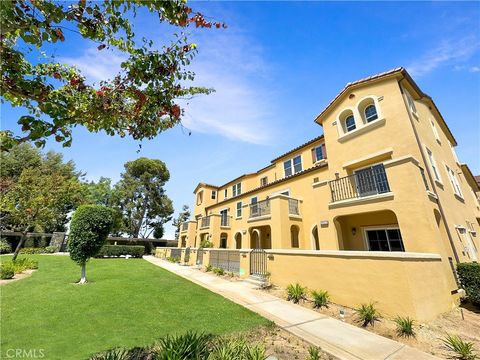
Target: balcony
[205,222]
[261,208]
[225,221]
[185,226]
[363,183]
[293,207]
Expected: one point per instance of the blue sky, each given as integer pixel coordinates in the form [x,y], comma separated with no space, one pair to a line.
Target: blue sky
[274,68]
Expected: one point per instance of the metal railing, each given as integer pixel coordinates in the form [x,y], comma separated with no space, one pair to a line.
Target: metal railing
[225,221]
[228,260]
[366,182]
[176,253]
[185,226]
[260,208]
[205,222]
[293,207]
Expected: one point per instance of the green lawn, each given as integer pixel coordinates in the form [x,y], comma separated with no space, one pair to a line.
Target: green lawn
[126,303]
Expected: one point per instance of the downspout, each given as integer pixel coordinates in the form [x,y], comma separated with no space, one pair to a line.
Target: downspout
[427,168]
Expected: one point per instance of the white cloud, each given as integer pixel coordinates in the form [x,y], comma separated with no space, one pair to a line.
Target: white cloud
[241,108]
[96,64]
[448,52]
[474,69]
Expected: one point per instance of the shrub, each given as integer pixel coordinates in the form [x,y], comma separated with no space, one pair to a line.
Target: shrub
[404,326]
[32,250]
[469,276]
[23,264]
[137,353]
[295,293]
[190,345]
[367,314]
[7,270]
[5,247]
[135,251]
[218,271]
[463,349]
[208,268]
[320,298]
[89,229]
[206,244]
[174,259]
[313,353]
[50,249]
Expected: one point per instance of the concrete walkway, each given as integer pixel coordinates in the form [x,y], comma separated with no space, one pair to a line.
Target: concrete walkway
[333,336]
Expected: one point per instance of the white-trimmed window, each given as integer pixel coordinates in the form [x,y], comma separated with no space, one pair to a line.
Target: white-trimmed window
[371,113]
[239,209]
[454,153]
[264,181]
[384,239]
[433,165]
[236,189]
[435,130]
[214,194]
[292,166]
[200,198]
[318,153]
[411,103]
[454,181]
[350,123]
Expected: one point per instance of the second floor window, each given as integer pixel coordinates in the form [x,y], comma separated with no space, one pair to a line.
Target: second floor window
[236,189]
[318,153]
[214,194]
[293,166]
[454,181]
[239,209]
[433,165]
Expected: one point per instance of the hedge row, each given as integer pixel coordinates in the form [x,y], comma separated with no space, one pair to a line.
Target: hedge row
[469,274]
[135,251]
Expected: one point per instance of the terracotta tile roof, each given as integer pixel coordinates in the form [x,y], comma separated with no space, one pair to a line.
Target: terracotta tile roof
[298,147]
[300,173]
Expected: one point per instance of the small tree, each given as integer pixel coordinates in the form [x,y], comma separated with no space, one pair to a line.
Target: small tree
[183,216]
[89,229]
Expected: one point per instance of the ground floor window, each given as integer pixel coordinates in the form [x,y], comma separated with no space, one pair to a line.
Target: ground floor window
[384,239]
[223,243]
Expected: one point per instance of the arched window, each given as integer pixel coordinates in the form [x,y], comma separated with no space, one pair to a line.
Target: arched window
[350,123]
[371,113]
[294,236]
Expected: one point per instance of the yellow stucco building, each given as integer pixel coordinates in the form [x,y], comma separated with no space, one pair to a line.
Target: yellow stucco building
[378,208]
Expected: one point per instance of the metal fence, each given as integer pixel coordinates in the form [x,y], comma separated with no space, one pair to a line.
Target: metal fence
[260,208]
[258,262]
[176,253]
[205,221]
[228,260]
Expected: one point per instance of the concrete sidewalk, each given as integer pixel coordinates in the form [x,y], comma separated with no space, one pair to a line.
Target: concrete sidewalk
[333,336]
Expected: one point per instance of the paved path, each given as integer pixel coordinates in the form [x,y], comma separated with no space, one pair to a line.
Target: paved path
[333,336]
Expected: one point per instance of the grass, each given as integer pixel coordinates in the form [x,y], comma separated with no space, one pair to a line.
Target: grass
[126,303]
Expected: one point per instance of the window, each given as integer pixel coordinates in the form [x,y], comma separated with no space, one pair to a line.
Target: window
[236,189]
[295,163]
[200,197]
[454,154]
[350,123]
[389,239]
[223,243]
[454,181]
[239,209]
[224,219]
[411,103]
[435,131]
[214,194]
[433,165]
[294,230]
[371,113]
[317,153]
[254,206]
[424,178]
[226,193]
[264,181]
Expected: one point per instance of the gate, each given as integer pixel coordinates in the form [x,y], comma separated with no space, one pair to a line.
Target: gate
[187,255]
[176,253]
[200,256]
[258,262]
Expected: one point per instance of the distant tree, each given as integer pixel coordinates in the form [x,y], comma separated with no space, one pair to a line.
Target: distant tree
[183,216]
[158,231]
[140,101]
[99,193]
[140,197]
[89,229]
[38,201]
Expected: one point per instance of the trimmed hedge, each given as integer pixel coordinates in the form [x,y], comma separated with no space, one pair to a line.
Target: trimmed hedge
[32,250]
[7,271]
[469,275]
[135,251]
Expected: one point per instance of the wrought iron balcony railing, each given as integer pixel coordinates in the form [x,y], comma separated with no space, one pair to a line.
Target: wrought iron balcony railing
[205,222]
[260,208]
[293,208]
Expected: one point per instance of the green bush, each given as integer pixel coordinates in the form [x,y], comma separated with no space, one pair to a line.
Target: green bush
[7,270]
[50,249]
[320,298]
[173,259]
[313,353]
[22,264]
[404,326]
[464,350]
[32,250]
[218,271]
[190,345]
[208,268]
[206,244]
[135,251]
[5,247]
[469,276]
[367,314]
[296,292]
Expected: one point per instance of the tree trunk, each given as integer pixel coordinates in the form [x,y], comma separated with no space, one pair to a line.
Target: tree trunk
[83,280]
[20,244]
